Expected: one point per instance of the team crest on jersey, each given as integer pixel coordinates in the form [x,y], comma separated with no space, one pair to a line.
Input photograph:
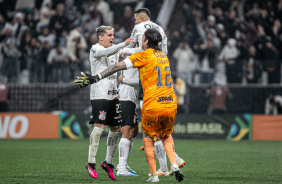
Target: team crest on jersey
[102,115]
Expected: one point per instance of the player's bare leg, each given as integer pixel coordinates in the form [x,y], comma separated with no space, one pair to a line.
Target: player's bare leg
[125,145]
[161,156]
[93,148]
[112,139]
[149,149]
[170,151]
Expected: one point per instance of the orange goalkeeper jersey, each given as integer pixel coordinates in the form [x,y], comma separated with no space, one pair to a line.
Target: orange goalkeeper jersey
[155,76]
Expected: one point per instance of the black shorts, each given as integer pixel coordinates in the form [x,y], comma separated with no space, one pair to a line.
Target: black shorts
[106,112]
[128,114]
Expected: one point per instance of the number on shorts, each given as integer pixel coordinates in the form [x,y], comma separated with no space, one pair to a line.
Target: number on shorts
[118,108]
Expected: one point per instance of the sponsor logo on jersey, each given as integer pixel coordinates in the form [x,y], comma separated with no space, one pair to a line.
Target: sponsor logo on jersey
[113,92]
[162,61]
[165,99]
[159,54]
[149,26]
[102,115]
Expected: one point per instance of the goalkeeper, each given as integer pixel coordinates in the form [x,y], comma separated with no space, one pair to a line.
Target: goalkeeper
[159,109]
[142,23]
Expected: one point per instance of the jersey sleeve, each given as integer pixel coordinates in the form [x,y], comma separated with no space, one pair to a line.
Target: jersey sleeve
[163,45]
[129,51]
[104,52]
[132,81]
[137,59]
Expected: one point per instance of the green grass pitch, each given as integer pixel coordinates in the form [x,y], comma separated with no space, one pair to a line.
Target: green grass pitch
[207,161]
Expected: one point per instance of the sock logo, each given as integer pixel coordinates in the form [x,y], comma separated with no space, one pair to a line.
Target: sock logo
[110,141]
[121,152]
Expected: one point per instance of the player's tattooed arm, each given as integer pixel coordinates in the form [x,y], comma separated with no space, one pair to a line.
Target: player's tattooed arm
[87,79]
[113,69]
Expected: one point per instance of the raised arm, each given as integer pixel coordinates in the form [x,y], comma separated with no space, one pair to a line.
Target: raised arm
[137,40]
[102,52]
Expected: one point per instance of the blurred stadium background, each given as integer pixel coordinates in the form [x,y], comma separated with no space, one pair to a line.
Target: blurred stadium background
[225,55]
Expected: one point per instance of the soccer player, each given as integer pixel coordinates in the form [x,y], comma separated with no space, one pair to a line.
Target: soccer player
[104,99]
[128,88]
[128,99]
[142,23]
[159,107]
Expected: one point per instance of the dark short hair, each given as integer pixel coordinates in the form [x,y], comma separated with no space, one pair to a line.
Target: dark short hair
[144,10]
[102,30]
[154,37]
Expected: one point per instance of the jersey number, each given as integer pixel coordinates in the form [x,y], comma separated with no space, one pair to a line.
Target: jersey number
[167,76]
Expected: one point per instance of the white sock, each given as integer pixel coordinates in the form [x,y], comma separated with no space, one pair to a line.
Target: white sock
[111,146]
[177,157]
[161,155]
[94,143]
[131,145]
[124,147]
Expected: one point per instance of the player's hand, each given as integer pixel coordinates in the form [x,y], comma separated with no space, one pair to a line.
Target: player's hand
[83,80]
[86,80]
[120,79]
[129,41]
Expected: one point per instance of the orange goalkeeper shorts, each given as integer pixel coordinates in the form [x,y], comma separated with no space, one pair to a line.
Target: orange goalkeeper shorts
[158,122]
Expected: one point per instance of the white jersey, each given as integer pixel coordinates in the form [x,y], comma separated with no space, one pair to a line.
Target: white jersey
[128,90]
[139,30]
[100,59]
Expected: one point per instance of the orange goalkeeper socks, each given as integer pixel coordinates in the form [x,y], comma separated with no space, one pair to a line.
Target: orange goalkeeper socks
[150,154]
[169,149]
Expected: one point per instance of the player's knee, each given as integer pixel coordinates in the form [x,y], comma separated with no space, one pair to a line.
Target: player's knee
[97,131]
[166,137]
[128,135]
[114,134]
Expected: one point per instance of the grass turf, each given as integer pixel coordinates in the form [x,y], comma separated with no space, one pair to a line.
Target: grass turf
[209,161]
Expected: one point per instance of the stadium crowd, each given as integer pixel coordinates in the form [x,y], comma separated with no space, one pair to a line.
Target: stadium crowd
[49,40]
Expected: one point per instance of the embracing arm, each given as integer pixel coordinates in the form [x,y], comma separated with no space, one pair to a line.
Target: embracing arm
[112,69]
[129,51]
[88,79]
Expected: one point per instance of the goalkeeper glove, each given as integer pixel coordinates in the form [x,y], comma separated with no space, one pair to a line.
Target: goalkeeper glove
[86,80]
